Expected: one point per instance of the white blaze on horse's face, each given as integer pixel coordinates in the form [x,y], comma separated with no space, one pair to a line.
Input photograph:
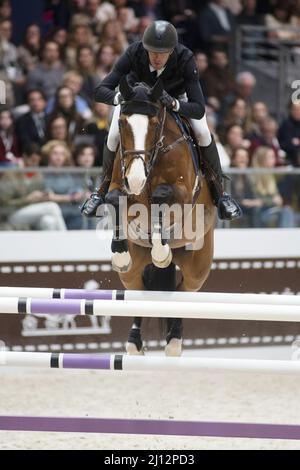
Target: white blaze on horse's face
[136,176]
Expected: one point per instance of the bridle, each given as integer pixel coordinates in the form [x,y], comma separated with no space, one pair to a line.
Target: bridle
[157,144]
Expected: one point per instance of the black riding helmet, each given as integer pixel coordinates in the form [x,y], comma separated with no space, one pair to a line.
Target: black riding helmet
[160,36]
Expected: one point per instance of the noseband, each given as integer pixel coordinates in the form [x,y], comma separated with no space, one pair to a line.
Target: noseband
[155,110]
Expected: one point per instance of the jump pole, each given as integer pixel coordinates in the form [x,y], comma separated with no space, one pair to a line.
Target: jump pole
[131,308]
[119,362]
[149,427]
[217,297]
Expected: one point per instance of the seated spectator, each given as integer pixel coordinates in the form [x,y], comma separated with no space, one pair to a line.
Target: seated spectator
[112,35]
[279,21]
[237,114]
[99,13]
[10,57]
[258,113]
[268,138]
[29,50]
[289,188]
[289,133]
[25,201]
[74,81]
[61,187]
[5,10]
[272,211]
[60,36]
[99,127]
[32,125]
[81,36]
[216,25]
[57,129]
[245,84]
[64,105]
[126,17]
[48,74]
[9,146]
[105,59]
[249,16]
[85,158]
[218,79]
[234,139]
[242,190]
[85,63]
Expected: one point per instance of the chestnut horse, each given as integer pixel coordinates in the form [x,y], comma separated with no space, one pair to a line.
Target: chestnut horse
[155,171]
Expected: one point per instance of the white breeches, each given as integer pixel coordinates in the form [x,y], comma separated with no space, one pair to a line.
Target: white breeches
[199,125]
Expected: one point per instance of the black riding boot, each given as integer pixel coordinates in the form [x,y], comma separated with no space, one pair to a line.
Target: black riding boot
[90,206]
[228,208]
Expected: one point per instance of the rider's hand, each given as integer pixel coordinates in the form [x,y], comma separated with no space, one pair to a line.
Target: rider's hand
[167,101]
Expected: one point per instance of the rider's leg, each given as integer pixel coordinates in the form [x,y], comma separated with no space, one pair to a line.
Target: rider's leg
[97,198]
[227,207]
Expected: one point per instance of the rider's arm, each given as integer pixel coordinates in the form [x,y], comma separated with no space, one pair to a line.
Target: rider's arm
[105,92]
[194,108]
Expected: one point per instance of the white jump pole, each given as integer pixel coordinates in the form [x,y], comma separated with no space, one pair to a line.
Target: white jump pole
[147,363]
[203,297]
[213,311]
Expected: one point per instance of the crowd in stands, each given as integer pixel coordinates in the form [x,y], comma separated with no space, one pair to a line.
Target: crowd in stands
[50,118]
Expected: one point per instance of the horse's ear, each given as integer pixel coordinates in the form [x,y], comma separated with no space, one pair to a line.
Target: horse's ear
[156,91]
[125,89]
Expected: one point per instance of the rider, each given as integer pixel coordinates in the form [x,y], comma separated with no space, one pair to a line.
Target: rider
[160,55]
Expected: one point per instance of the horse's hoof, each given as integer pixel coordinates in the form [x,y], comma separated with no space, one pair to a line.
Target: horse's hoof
[121,262]
[174,347]
[164,263]
[132,350]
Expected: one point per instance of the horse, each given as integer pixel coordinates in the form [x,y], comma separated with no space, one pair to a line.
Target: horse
[153,173]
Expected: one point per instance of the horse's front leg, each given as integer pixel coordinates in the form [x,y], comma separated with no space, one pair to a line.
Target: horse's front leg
[161,252]
[121,259]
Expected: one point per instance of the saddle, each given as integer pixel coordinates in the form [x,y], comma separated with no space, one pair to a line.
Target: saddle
[189,134]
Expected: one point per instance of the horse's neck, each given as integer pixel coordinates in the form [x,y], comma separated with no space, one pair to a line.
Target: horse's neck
[171,129]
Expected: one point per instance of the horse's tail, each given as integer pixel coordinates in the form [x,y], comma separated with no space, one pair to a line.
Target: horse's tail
[161,279]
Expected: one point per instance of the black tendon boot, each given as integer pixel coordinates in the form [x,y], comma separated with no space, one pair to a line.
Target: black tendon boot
[97,198]
[228,208]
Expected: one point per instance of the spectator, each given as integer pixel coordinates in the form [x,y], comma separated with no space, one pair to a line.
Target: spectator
[61,186]
[105,60]
[234,139]
[81,36]
[237,114]
[279,21]
[268,138]
[9,145]
[245,83]
[258,113]
[32,125]
[243,191]
[99,13]
[216,25]
[218,79]
[85,61]
[289,188]
[272,211]
[74,81]
[99,127]
[289,133]
[5,10]
[9,57]
[25,201]
[30,48]
[112,35]
[64,105]
[249,15]
[48,74]
[57,129]
[60,36]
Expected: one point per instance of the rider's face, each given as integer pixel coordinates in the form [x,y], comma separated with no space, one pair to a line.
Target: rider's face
[158,60]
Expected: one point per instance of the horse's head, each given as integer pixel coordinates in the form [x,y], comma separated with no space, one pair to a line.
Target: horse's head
[141,125]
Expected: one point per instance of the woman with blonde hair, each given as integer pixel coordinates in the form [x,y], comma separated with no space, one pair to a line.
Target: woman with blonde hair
[113,35]
[62,187]
[272,210]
